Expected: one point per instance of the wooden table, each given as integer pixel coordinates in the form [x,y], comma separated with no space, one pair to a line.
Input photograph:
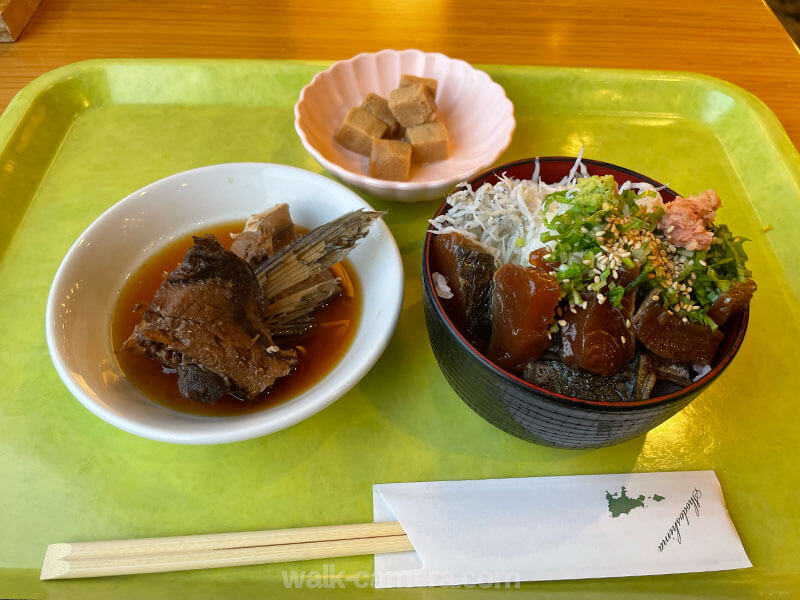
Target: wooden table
[740,40]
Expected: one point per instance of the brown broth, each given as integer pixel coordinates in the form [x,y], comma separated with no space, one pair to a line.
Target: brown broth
[319,350]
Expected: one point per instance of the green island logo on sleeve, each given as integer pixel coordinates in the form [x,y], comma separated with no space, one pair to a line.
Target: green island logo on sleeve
[622,504]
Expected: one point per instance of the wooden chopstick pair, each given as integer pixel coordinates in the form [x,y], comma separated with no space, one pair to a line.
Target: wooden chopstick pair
[183,553]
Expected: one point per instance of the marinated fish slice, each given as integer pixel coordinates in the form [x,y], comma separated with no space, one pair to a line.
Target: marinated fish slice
[475,271]
[666,335]
[735,299]
[562,379]
[537,260]
[468,269]
[524,301]
[625,276]
[596,338]
[315,251]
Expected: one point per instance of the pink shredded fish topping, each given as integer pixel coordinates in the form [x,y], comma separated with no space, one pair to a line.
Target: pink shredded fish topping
[685,220]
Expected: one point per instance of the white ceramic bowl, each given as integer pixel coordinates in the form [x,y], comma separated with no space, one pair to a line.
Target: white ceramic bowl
[478,116]
[87,284]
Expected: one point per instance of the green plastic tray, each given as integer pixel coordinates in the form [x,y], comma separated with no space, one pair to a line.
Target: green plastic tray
[78,139]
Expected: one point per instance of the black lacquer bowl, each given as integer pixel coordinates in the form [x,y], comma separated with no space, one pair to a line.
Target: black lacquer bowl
[534,413]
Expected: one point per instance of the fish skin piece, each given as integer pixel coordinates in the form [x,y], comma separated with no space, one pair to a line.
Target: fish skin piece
[562,379]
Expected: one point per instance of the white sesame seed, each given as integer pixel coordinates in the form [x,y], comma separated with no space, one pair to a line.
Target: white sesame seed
[572,310]
[562,322]
[627,323]
[671,228]
[584,304]
[600,298]
[685,320]
[702,262]
[623,340]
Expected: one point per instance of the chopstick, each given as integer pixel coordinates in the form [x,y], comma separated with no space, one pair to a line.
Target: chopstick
[183,553]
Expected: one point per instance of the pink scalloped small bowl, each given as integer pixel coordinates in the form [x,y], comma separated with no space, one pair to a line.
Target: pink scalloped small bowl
[478,116]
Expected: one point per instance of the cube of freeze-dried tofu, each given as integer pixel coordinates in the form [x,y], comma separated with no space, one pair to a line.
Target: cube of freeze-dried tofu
[428,82]
[412,104]
[390,159]
[428,141]
[358,131]
[378,107]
